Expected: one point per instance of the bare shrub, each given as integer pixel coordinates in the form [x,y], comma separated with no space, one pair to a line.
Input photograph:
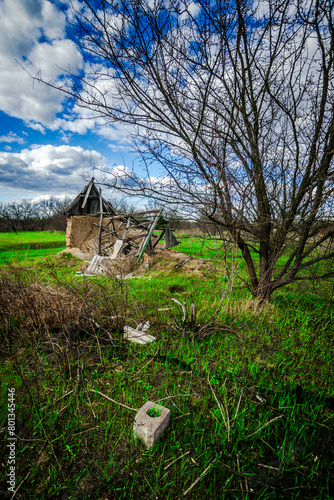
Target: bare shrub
[30,310]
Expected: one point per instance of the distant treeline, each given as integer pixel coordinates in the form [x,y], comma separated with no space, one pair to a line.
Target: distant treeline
[48,214]
[26,215]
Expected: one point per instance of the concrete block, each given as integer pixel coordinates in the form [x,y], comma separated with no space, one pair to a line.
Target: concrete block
[148,429]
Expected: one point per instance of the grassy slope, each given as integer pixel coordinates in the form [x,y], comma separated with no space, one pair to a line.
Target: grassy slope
[249,395]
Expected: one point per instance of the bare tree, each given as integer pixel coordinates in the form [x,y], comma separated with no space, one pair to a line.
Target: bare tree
[22,215]
[51,212]
[234,100]
[25,215]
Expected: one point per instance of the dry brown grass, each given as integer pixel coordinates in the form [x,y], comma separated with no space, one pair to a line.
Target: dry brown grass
[249,307]
[32,310]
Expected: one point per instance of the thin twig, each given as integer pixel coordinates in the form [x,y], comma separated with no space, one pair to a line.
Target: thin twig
[176,396]
[91,407]
[236,413]
[99,347]
[203,474]
[87,430]
[103,329]
[193,316]
[240,480]
[68,361]
[263,426]
[218,403]
[142,368]
[62,397]
[219,423]
[113,401]
[23,439]
[78,366]
[226,418]
[267,466]
[237,473]
[178,458]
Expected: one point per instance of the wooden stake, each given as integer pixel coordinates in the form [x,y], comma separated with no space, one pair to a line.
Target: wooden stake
[101,218]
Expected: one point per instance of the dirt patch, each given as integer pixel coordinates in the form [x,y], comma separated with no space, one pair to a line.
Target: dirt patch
[170,261]
[76,252]
[163,261]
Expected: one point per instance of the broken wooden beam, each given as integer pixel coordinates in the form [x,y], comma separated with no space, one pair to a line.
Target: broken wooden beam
[136,213]
[159,237]
[148,237]
[87,192]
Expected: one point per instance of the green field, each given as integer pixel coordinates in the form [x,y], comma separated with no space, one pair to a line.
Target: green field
[29,245]
[250,388]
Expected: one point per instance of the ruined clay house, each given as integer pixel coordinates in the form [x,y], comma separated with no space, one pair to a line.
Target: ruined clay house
[94,228]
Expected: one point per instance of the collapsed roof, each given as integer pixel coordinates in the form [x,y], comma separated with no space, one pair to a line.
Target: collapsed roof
[88,202]
[120,235]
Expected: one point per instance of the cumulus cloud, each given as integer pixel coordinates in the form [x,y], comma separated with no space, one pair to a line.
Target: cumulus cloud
[118,135]
[33,42]
[35,126]
[48,169]
[11,137]
[32,36]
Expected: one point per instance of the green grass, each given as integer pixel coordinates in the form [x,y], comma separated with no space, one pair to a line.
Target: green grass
[249,390]
[29,245]
[204,247]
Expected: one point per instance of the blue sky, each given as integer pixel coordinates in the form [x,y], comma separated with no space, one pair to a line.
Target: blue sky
[44,149]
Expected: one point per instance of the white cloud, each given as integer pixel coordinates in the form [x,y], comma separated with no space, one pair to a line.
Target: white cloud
[192,9]
[60,197]
[48,169]
[32,36]
[121,171]
[35,126]
[33,43]
[55,58]
[116,133]
[11,137]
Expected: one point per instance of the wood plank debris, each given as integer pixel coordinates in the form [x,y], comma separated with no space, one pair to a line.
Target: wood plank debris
[116,249]
[90,185]
[96,265]
[138,335]
[171,241]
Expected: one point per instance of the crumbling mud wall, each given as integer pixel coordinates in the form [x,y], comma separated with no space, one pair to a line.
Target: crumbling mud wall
[82,233]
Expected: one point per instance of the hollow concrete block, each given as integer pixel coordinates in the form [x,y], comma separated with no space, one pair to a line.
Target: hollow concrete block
[149,429]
